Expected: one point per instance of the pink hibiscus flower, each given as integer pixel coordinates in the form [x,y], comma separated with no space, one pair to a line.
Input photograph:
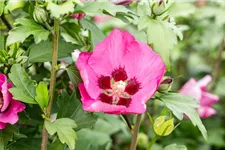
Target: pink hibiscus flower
[197,89]
[120,75]
[8,106]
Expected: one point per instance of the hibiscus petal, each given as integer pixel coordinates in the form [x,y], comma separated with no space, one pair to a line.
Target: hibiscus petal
[7,97]
[11,114]
[208,99]
[190,88]
[204,82]
[206,112]
[111,51]
[92,105]
[144,64]
[2,125]
[89,77]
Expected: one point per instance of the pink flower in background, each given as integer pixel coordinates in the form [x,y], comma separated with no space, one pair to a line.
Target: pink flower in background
[120,75]
[122,2]
[197,89]
[103,18]
[9,108]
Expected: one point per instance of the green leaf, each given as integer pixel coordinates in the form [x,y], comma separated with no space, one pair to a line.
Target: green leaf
[42,97]
[25,87]
[56,145]
[96,34]
[2,5]
[159,36]
[64,128]
[6,135]
[26,144]
[13,5]
[97,8]
[74,75]
[175,147]
[182,104]
[42,52]
[62,9]
[70,107]
[86,142]
[69,32]
[24,28]
[143,9]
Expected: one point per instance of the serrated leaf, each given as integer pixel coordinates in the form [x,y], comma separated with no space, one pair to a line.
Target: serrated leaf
[96,34]
[42,52]
[182,104]
[70,107]
[97,8]
[62,9]
[24,28]
[74,75]
[24,89]
[159,36]
[64,128]
[42,97]
[175,147]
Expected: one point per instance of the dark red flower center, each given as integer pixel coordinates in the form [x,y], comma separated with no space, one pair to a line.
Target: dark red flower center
[1,100]
[118,89]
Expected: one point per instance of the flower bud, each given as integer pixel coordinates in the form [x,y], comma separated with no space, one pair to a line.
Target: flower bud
[165,84]
[160,6]
[162,127]
[40,15]
[78,16]
[142,140]
[75,55]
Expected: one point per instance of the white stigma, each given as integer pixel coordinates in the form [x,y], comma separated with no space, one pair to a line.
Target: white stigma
[119,87]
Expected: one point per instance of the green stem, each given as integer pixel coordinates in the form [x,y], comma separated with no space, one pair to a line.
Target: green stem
[135,133]
[152,142]
[2,144]
[55,40]
[48,27]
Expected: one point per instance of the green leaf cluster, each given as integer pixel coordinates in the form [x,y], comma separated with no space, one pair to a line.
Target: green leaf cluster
[25,27]
[27,90]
